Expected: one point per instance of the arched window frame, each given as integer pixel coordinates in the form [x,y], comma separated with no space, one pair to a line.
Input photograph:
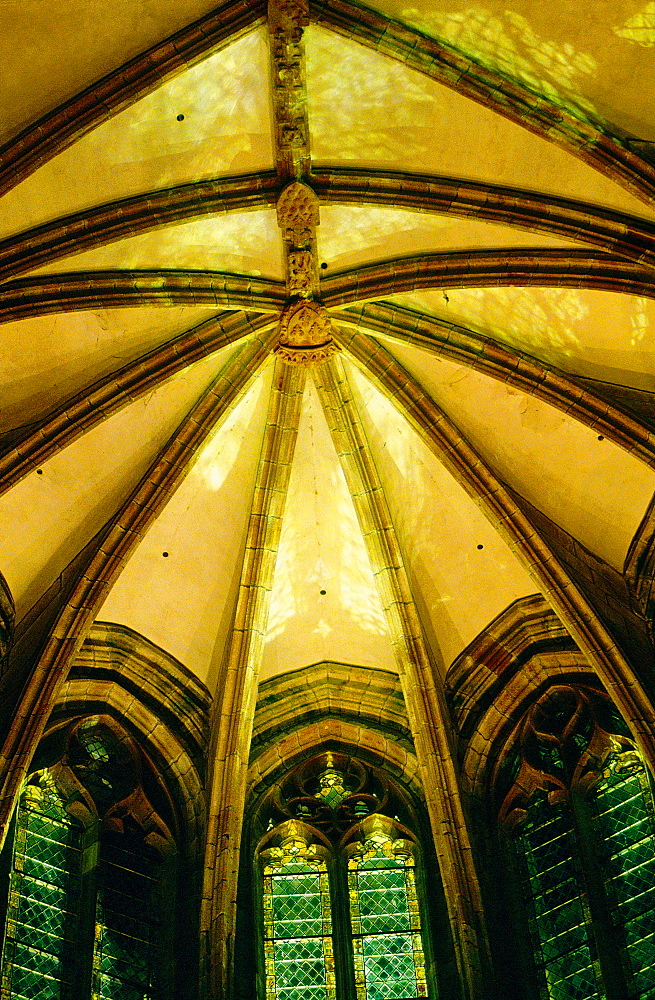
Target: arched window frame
[337,850]
[558,765]
[70,777]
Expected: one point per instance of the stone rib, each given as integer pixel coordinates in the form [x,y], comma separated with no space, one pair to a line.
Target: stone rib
[235,707]
[75,416]
[119,289]
[426,708]
[480,268]
[104,98]
[590,139]
[466,347]
[615,232]
[127,217]
[117,542]
[495,501]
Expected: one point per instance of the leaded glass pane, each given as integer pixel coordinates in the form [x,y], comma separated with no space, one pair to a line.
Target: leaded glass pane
[625,827]
[552,887]
[127,929]
[43,901]
[297,931]
[388,953]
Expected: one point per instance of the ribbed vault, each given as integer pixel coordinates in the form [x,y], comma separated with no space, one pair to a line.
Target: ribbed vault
[260,457]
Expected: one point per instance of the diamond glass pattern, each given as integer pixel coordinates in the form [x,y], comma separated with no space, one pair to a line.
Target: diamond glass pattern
[552,885]
[389,962]
[297,931]
[625,826]
[43,901]
[125,957]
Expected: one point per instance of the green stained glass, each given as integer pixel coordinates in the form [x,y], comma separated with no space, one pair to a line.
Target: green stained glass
[388,953]
[297,931]
[561,925]
[126,952]
[43,901]
[625,826]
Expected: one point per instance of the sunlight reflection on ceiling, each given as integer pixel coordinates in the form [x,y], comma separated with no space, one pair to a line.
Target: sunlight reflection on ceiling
[512,46]
[640,28]
[221,451]
[321,544]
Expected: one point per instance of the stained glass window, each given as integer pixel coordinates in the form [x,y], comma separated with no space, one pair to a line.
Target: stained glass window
[386,927]
[584,831]
[333,846]
[41,927]
[83,919]
[553,890]
[127,930]
[297,925]
[625,827]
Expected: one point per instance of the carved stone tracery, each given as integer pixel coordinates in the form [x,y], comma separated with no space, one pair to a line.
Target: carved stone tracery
[564,743]
[305,334]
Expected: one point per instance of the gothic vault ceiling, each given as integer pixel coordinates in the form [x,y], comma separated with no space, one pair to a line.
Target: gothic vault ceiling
[480,245]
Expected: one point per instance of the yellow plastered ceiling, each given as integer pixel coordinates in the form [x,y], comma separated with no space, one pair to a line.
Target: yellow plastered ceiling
[366,112]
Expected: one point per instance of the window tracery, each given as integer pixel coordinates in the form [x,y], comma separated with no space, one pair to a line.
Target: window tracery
[577,802]
[88,861]
[340,903]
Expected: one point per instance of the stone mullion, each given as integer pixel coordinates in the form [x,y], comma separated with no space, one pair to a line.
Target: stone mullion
[116,543]
[118,289]
[512,367]
[107,396]
[471,471]
[427,711]
[118,90]
[237,688]
[591,269]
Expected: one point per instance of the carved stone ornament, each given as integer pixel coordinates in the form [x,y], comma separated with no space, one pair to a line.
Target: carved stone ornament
[300,279]
[305,334]
[297,214]
[294,11]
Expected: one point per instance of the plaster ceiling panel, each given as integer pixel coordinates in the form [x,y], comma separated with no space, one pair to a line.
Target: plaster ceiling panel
[47,359]
[52,51]
[458,586]
[357,120]
[601,335]
[322,550]
[595,57]
[351,236]
[184,601]
[50,515]
[593,489]
[247,242]
[226,130]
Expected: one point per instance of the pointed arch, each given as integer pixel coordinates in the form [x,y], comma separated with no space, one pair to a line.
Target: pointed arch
[104,560]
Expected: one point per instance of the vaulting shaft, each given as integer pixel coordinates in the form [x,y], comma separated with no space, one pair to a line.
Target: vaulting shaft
[425,704]
[234,708]
[501,508]
[102,566]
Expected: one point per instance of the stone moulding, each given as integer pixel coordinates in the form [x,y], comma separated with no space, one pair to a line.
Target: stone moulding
[305,334]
